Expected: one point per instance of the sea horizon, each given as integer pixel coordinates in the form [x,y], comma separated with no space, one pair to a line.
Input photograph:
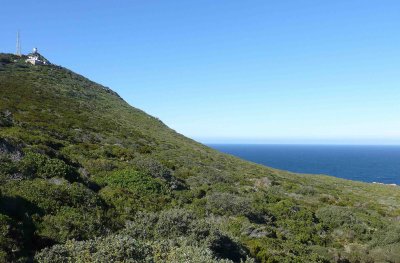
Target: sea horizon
[300,144]
[358,162]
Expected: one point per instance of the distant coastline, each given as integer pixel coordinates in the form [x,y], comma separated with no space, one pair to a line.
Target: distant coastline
[385,184]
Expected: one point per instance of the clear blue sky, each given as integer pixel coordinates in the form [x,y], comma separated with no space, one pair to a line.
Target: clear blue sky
[232,71]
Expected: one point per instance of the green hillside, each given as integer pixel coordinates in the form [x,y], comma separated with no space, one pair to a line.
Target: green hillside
[85,177]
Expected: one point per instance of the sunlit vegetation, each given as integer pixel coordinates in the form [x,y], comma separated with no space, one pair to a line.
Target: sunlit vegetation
[85,177]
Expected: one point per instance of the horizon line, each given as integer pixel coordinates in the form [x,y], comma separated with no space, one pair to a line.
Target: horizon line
[301,144]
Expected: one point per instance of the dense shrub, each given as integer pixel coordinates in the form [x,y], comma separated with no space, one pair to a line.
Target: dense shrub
[127,203]
[386,253]
[114,248]
[349,223]
[129,191]
[385,244]
[39,165]
[335,216]
[227,204]
[193,254]
[6,119]
[117,152]
[181,225]
[122,248]
[151,167]
[135,182]
[71,223]
[306,190]
[155,169]
[166,224]
[296,222]
[267,250]
[100,165]
[387,235]
[54,168]
[49,213]
[31,164]
[50,197]
[8,167]
[174,222]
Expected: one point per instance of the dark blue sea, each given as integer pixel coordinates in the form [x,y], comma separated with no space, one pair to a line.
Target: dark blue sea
[362,163]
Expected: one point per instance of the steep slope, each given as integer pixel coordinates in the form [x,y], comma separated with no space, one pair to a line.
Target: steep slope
[78,163]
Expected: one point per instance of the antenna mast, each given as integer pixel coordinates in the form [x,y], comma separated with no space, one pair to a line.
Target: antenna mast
[18,51]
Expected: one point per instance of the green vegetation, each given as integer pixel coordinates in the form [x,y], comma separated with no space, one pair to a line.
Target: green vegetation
[85,177]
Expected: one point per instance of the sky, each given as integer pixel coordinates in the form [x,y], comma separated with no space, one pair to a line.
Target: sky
[258,71]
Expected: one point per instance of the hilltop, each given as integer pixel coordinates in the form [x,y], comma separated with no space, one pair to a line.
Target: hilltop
[85,177]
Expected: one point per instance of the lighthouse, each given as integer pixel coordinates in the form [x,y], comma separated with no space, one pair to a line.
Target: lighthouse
[36,59]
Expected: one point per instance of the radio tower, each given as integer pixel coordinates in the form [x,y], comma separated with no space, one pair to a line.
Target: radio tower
[18,51]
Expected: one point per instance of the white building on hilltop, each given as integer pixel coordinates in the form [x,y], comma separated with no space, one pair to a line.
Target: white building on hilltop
[36,59]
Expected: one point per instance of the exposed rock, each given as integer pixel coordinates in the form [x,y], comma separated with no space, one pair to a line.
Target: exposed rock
[57,181]
[259,232]
[83,172]
[11,151]
[263,182]
[16,177]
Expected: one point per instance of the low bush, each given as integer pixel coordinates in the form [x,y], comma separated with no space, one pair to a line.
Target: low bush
[71,223]
[349,223]
[182,227]
[195,254]
[50,198]
[39,165]
[267,250]
[6,119]
[135,182]
[387,235]
[221,203]
[114,248]
[129,191]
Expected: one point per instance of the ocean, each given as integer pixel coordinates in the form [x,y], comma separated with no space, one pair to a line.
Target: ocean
[380,164]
